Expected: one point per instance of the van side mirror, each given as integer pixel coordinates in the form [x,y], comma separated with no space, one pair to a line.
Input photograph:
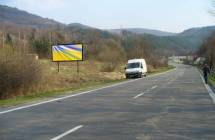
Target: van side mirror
[125,68]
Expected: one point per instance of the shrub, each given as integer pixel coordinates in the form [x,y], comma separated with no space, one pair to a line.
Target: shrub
[42,47]
[108,67]
[18,73]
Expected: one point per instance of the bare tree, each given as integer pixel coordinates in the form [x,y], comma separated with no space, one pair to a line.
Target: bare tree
[212,11]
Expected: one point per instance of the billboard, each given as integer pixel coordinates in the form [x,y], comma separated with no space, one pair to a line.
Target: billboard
[67,52]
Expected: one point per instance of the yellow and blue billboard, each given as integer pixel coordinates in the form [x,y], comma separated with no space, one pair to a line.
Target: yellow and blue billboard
[67,52]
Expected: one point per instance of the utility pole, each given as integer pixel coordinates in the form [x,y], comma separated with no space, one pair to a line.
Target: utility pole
[211,57]
[3,29]
[3,39]
[121,35]
[19,36]
[50,38]
[24,43]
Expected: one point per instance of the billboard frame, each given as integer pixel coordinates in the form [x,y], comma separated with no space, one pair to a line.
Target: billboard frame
[68,44]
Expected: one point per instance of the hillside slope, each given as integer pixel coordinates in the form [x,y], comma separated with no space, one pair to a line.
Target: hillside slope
[188,41]
[9,15]
[143,31]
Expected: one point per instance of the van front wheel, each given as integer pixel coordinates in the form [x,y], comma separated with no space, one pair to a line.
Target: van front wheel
[140,75]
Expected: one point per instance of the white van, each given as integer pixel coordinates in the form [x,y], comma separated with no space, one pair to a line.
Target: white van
[136,68]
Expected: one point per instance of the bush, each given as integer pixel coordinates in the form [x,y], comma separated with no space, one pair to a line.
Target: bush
[108,67]
[18,74]
[42,47]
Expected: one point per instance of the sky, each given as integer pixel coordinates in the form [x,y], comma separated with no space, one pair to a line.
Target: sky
[165,15]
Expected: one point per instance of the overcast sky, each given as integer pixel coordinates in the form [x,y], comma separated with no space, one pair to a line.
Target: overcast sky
[166,15]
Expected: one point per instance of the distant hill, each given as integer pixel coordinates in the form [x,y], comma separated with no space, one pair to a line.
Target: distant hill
[9,15]
[199,32]
[185,42]
[143,31]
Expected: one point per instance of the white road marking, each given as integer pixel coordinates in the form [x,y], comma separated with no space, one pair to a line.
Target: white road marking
[170,81]
[154,87]
[141,94]
[210,91]
[78,94]
[148,90]
[67,132]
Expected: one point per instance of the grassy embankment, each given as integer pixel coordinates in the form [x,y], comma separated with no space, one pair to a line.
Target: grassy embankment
[67,81]
[160,70]
[212,80]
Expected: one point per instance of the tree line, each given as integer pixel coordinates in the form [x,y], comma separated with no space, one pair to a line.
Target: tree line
[207,50]
[99,45]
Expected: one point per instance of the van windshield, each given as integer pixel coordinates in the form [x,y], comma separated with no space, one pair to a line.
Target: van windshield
[133,65]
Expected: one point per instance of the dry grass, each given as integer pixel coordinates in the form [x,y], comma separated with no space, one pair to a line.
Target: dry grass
[69,78]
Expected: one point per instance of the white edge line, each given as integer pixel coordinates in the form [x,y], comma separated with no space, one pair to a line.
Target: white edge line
[162,73]
[67,132]
[210,91]
[138,95]
[154,87]
[73,95]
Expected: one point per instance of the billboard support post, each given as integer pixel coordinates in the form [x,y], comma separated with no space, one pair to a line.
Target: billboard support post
[78,67]
[58,67]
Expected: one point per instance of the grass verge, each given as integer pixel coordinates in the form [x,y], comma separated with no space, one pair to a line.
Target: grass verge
[212,80]
[161,69]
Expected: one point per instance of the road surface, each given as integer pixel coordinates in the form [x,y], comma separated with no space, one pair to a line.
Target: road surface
[171,106]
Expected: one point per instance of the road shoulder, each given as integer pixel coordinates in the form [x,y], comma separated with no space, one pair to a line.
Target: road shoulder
[209,88]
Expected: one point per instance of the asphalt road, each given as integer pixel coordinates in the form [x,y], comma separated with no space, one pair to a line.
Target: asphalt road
[171,106]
